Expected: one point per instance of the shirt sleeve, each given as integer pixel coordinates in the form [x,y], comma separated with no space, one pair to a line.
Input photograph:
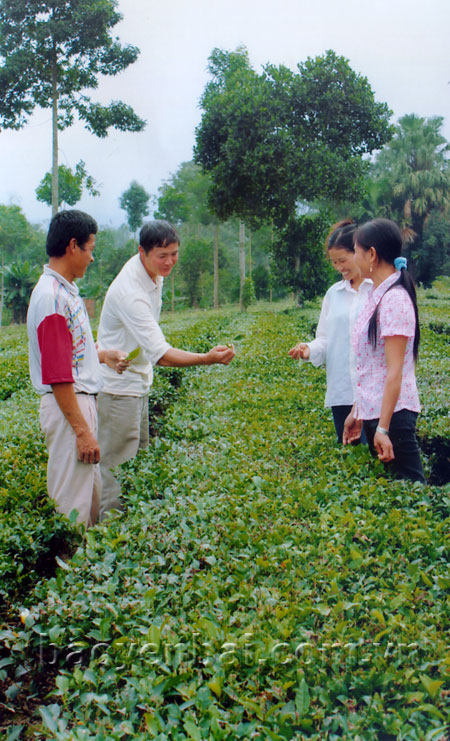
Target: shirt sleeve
[396,314]
[318,347]
[55,345]
[136,314]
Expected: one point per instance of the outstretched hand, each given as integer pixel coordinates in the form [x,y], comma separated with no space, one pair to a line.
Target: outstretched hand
[300,351]
[223,354]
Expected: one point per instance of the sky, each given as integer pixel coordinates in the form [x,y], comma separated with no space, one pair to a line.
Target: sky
[401,46]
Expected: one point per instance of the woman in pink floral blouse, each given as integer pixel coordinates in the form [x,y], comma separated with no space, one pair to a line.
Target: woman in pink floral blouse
[386,340]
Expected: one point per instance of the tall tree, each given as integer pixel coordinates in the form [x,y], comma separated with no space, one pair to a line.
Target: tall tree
[135,202]
[274,140]
[70,185]
[51,52]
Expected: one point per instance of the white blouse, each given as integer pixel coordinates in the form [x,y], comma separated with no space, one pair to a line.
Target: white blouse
[332,346]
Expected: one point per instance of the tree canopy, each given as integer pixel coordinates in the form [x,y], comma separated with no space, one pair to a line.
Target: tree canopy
[70,185]
[269,140]
[414,169]
[134,201]
[51,54]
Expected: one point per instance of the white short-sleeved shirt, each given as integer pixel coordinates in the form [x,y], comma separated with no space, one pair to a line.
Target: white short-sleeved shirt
[129,319]
[61,346]
[396,316]
[332,346]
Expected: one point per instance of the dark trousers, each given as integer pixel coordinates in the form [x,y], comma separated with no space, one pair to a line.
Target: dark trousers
[402,431]
[340,414]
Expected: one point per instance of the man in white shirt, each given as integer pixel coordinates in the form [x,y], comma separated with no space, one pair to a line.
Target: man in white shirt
[65,367]
[129,319]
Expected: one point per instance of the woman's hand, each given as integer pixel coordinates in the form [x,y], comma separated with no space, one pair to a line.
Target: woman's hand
[383,446]
[300,351]
[352,429]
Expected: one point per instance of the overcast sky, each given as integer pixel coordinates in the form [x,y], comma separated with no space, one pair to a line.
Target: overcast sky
[401,46]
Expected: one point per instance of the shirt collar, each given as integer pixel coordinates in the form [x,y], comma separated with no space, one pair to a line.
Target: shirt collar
[345,284]
[70,287]
[379,292]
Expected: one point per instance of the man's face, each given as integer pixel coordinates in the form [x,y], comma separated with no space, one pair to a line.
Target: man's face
[160,260]
[83,256]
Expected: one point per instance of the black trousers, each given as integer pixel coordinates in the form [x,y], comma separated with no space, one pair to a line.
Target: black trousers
[340,414]
[407,463]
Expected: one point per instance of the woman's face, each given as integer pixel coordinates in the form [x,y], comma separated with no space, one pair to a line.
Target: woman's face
[344,262]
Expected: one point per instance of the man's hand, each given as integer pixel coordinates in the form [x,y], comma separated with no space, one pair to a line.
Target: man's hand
[87,447]
[300,351]
[115,359]
[223,354]
[383,446]
[352,429]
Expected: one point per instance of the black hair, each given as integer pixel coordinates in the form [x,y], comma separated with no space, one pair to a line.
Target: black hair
[157,234]
[341,236]
[67,225]
[386,239]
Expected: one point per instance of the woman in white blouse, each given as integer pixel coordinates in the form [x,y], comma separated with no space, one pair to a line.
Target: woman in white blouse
[340,308]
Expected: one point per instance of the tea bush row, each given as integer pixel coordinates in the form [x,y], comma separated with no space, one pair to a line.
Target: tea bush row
[263,582]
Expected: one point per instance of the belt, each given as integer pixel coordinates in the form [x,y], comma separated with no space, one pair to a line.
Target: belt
[85,393]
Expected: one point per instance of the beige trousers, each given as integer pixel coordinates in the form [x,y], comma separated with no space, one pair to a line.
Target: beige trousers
[71,483]
[123,430]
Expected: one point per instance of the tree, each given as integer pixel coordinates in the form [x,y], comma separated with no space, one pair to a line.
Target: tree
[194,260]
[414,172]
[273,139]
[50,54]
[280,138]
[14,235]
[135,202]
[70,185]
[19,280]
[184,198]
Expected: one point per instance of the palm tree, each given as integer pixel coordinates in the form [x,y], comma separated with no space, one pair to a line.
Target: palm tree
[415,166]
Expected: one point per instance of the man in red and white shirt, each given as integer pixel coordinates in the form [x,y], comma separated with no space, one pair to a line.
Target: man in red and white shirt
[65,367]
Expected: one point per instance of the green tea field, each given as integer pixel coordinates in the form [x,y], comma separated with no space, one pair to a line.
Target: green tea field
[263,583]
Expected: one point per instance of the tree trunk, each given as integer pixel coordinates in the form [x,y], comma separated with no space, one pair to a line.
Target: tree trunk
[216,267]
[172,283]
[250,254]
[55,185]
[241,263]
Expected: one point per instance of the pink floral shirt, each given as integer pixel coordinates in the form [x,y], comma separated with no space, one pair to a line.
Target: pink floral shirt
[395,317]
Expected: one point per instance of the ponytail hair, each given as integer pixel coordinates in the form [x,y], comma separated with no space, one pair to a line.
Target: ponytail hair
[386,239]
[341,236]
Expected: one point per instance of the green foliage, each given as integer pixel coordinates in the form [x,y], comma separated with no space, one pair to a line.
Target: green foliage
[184,197]
[273,139]
[19,280]
[300,258]
[412,176]
[135,202]
[70,185]
[262,582]
[13,362]
[248,293]
[15,231]
[72,39]
[195,258]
